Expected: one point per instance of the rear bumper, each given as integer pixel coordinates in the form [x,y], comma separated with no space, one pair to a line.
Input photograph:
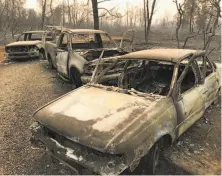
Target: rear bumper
[78,156]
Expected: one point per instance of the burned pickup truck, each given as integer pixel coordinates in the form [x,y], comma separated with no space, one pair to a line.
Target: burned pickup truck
[75,48]
[28,46]
[119,128]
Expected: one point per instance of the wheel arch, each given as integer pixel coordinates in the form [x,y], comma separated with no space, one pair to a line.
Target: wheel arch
[73,67]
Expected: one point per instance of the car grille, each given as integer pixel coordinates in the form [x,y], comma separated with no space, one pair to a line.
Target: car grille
[18,49]
[18,54]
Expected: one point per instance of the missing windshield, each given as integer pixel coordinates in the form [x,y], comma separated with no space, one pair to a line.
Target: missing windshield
[140,75]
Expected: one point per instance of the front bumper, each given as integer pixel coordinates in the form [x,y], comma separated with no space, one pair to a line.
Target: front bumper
[74,154]
[21,55]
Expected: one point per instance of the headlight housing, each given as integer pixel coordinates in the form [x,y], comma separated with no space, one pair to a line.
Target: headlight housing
[7,49]
[33,49]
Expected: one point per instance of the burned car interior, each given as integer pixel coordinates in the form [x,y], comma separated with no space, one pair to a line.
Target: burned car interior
[145,76]
[149,77]
[93,43]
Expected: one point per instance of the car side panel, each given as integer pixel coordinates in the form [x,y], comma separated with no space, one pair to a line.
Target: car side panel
[61,62]
[190,107]
[211,85]
[50,48]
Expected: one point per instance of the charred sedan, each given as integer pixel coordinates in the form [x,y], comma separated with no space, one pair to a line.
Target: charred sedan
[160,93]
[28,46]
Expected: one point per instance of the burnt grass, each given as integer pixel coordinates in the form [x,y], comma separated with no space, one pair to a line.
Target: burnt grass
[26,86]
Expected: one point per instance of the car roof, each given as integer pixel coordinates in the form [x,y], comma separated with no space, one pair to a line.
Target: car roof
[59,27]
[27,32]
[84,31]
[170,55]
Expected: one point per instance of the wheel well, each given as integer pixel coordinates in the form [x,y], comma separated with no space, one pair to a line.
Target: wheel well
[73,69]
[42,50]
[48,55]
[165,141]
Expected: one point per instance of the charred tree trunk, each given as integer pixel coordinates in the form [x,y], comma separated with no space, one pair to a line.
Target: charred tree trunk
[180,12]
[43,13]
[144,11]
[95,14]
[148,17]
[52,13]
[191,17]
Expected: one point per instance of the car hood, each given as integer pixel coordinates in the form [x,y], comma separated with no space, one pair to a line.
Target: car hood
[24,43]
[92,116]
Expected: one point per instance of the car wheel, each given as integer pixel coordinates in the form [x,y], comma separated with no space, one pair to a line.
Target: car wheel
[149,162]
[75,78]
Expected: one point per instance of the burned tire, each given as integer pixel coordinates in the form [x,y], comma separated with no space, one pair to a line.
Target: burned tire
[75,78]
[149,162]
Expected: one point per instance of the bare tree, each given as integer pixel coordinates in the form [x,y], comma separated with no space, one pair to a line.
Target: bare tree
[180,13]
[148,17]
[215,6]
[43,13]
[95,14]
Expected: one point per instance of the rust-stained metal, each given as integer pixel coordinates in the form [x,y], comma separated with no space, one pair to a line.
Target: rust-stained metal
[109,128]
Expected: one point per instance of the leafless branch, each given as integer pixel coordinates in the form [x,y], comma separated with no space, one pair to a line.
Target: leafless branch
[109,12]
[102,1]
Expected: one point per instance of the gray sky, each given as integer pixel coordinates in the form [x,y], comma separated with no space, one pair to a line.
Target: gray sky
[163,8]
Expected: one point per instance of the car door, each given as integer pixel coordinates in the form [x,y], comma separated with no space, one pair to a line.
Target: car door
[190,97]
[62,55]
[211,83]
[49,44]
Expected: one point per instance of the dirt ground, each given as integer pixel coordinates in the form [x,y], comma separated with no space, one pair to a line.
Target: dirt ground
[26,86]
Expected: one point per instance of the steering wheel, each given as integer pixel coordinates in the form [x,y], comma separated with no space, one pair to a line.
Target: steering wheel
[131,78]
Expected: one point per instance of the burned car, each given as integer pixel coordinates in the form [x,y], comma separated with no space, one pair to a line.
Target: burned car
[75,48]
[28,46]
[121,126]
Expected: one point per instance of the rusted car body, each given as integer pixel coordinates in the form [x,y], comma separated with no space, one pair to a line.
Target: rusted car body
[122,125]
[28,46]
[74,50]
